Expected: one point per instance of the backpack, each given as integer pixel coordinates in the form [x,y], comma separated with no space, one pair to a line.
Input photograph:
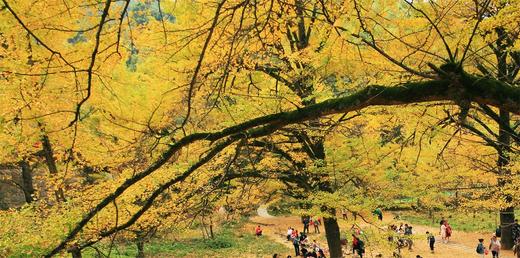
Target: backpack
[361,246]
[480,248]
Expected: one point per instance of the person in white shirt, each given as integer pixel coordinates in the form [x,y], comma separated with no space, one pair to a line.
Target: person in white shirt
[494,246]
[289,233]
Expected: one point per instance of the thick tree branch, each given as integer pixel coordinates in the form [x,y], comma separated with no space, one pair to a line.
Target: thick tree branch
[477,89]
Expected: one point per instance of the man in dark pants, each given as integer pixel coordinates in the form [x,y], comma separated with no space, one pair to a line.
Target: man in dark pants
[306,222]
[296,243]
[316,225]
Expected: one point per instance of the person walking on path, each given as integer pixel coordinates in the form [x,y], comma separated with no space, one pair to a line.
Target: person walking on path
[408,236]
[495,246]
[481,250]
[296,244]
[358,246]
[440,225]
[289,233]
[515,231]
[443,232]
[448,231]
[306,222]
[431,240]
[316,223]
[516,248]
[379,213]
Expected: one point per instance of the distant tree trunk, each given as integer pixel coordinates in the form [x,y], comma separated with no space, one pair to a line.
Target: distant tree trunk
[507,215]
[203,228]
[139,241]
[140,249]
[51,164]
[27,182]
[211,228]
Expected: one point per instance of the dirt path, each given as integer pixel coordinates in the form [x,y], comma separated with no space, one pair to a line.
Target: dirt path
[461,245]
[262,212]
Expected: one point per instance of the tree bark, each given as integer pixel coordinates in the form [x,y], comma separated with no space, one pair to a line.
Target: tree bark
[507,214]
[333,236]
[48,154]
[316,150]
[27,182]
[139,241]
[76,253]
[140,248]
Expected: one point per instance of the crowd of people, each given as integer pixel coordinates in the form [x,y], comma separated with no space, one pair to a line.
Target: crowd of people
[304,248]
[302,245]
[404,235]
[445,231]
[495,246]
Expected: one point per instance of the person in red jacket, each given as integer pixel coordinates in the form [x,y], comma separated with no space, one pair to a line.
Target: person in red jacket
[258,231]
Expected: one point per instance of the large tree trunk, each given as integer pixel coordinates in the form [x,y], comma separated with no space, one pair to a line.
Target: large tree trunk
[27,182]
[507,215]
[332,232]
[333,236]
[76,253]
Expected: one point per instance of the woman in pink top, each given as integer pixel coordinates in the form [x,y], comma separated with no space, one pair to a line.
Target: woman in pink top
[443,232]
[494,246]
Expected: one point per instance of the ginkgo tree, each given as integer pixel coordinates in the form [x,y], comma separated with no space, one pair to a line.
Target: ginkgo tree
[141,96]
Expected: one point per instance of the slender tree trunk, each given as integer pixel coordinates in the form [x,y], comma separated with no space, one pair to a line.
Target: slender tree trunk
[139,241]
[507,215]
[211,228]
[140,248]
[51,164]
[27,182]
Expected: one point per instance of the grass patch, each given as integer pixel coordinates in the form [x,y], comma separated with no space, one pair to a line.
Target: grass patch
[464,221]
[230,241]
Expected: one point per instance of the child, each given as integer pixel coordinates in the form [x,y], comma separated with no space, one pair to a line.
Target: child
[431,240]
[481,250]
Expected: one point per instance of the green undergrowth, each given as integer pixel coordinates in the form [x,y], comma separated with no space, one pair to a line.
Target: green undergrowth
[230,241]
[282,208]
[483,221]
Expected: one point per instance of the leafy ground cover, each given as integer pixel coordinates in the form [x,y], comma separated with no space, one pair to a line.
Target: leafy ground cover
[231,240]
